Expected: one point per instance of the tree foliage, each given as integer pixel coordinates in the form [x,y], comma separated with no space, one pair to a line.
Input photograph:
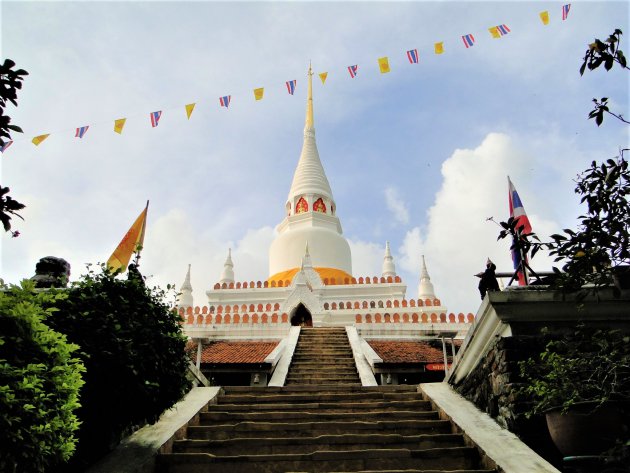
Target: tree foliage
[587,365]
[605,53]
[601,245]
[10,83]
[133,349]
[40,378]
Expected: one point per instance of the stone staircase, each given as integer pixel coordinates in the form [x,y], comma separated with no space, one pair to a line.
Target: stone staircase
[323,356]
[322,421]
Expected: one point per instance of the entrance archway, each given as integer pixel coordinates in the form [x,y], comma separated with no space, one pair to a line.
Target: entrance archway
[301,316]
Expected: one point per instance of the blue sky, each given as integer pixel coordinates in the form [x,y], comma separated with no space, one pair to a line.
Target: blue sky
[418,156]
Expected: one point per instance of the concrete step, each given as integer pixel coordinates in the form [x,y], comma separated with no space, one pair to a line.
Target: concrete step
[324,406]
[326,374]
[313,369]
[314,382]
[206,418]
[323,461]
[250,429]
[267,446]
[324,397]
[318,390]
[333,378]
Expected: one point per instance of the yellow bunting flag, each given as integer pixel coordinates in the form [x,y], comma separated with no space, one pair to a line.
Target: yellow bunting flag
[38,139]
[323,77]
[189,109]
[439,47]
[132,242]
[544,17]
[258,93]
[494,31]
[119,125]
[383,65]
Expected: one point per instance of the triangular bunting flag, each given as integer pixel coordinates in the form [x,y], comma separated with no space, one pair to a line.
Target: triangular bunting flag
[119,125]
[225,100]
[4,147]
[81,131]
[353,70]
[258,93]
[189,109]
[565,11]
[291,86]
[38,139]
[469,40]
[499,30]
[383,65]
[439,47]
[323,76]
[155,118]
[544,17]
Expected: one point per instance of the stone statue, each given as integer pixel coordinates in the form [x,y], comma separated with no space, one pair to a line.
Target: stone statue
[488,279]
[133,273]
[51,271]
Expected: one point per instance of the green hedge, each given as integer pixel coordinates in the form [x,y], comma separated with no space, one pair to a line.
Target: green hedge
[133,349]
[39,384]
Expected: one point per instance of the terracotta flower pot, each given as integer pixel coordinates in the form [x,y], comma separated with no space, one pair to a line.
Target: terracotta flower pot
[586,429]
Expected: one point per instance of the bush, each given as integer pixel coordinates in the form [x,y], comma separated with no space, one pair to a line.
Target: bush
[39,384]
[587,365]
[133,349]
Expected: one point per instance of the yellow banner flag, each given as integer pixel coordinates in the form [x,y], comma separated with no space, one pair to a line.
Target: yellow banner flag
[439,47]
[258,93]
[119,125]
[494,31]
[383,65]
[323,76]
[544,17]
[132,242]
[189,109]
[38,139]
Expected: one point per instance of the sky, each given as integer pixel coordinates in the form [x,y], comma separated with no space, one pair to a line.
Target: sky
[418,157]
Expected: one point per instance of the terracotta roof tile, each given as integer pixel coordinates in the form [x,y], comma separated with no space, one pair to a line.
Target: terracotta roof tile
[406,352]
[235,352]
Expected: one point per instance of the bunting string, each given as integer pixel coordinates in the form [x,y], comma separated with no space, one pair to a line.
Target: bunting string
[384,67]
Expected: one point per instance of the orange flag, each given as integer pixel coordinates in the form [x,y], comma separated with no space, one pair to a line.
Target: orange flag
[131,243]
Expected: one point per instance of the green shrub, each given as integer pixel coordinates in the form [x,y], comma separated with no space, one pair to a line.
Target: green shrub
[39,384]
[586,365]
[133,349]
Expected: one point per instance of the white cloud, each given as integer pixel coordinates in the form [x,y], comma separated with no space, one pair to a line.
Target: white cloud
[459,238]
[410,252]
[396,205]
[367,258]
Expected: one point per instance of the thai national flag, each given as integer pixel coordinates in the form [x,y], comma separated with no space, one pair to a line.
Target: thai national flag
[469,40]
[353,70]
[155,118]
[503,29]
[225,101]
[81,131]
[518,212]
[4,147]
[565,11]
[291,86]
[412,55]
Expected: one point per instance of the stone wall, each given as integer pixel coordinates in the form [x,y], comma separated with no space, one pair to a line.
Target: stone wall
[493,387]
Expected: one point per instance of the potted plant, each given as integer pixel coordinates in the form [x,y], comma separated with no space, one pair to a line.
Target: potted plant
[581,383]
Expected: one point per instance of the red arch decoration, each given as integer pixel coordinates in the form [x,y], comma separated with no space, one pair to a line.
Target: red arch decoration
[319,206]
[302,206]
